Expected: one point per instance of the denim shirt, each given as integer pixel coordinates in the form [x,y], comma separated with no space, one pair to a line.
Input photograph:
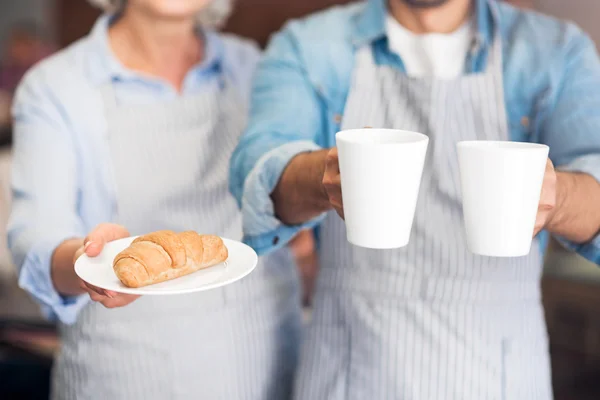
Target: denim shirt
[551,89]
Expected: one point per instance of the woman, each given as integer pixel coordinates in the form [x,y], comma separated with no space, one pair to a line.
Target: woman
[134,125]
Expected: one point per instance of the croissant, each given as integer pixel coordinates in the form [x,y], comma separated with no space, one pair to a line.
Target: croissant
[165,255]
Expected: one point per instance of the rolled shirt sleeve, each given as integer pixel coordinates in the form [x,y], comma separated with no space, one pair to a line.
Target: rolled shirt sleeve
[44,188]
[572,125]
[285,120]
[34,277]
[262,229]
[588,164]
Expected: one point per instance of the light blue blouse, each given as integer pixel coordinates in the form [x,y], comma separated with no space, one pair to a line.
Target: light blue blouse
[61,188]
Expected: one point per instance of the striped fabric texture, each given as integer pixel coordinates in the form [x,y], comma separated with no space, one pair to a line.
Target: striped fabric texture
[170,163]
[431,320]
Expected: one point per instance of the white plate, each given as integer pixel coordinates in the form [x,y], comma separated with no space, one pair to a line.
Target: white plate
[98,271]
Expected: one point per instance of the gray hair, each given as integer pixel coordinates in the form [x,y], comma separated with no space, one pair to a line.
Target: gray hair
[214,15]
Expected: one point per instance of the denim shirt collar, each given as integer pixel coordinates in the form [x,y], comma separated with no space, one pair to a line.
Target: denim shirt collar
[370,26]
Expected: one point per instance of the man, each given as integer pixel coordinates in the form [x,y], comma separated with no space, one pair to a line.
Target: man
[431,320]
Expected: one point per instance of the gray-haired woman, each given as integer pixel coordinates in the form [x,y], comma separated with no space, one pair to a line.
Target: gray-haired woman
[129,131]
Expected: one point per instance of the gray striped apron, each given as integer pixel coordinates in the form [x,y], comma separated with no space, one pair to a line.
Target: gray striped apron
[431,320]
[170,165]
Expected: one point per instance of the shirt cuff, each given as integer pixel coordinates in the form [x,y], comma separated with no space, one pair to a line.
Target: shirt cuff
[262,230]
[589,164]
[35,278]
[589,250]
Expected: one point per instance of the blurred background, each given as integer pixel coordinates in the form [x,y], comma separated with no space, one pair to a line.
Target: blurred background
[32,29]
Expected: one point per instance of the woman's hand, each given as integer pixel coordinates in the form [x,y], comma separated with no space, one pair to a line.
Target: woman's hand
[92,246]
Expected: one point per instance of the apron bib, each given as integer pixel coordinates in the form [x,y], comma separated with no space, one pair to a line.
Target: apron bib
[431,320]
[170,164]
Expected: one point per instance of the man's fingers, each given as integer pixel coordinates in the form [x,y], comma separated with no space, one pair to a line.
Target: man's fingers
[547,202]
[548,195]
[332,165]
[102,234]
[540,221]
[332,182]
[336,200]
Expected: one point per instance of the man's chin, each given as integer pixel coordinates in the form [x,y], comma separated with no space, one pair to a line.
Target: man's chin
[424,3]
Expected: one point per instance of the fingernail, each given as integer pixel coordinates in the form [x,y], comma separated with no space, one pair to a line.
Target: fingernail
[85,246]
[109,294]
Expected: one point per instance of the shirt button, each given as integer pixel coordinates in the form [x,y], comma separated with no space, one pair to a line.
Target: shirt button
[275,240]
[337,118]
[525,122]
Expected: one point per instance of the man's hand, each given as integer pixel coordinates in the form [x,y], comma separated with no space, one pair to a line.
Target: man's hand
[548,197]
[569,205]
[332,181]
[299,195]
[92,246]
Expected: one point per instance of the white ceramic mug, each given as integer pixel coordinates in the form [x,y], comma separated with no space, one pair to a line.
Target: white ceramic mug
[501,187]
[381,173]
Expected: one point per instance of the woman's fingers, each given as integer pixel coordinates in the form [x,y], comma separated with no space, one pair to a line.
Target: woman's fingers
[121,300]
[108,298]
[97,297]
[94,289]
[92,246]
[102,234]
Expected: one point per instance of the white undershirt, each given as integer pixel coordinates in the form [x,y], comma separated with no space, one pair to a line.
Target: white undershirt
[434,55]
